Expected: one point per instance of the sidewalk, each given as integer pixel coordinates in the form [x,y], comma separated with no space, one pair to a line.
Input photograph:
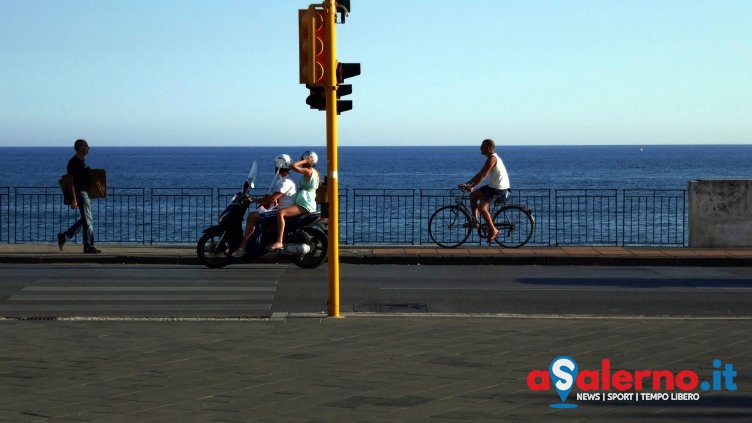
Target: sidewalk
[424,255]
[363,369]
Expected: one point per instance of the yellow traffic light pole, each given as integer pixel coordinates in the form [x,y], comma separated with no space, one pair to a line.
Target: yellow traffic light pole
[331,155]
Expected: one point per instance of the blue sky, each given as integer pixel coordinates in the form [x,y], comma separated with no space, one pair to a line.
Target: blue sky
[434,72]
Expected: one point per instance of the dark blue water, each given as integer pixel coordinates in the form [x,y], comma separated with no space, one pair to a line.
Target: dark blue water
[555,167]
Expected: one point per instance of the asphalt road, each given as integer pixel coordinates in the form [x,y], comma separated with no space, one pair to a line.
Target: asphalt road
[41,291]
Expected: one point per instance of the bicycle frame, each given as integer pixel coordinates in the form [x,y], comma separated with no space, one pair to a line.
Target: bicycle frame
[464,198]
[450,226]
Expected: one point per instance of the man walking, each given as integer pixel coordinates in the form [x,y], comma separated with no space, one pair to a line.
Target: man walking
[80,172]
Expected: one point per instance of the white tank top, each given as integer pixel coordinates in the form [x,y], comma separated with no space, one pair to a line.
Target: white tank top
[498,177]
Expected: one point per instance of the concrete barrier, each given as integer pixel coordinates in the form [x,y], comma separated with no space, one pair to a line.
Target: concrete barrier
[720,213]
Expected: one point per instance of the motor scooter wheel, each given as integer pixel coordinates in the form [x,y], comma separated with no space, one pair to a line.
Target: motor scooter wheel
[213,250]
[319,245]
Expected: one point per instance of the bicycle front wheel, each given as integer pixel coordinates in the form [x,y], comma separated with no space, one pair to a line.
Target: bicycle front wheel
[449,226]
[515,224]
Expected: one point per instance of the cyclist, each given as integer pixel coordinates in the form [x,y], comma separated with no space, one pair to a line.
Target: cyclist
[498,185]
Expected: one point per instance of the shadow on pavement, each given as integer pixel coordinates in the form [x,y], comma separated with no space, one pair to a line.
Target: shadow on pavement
[646,283]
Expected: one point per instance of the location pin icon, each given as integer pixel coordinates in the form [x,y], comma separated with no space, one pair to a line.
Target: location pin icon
[563,371]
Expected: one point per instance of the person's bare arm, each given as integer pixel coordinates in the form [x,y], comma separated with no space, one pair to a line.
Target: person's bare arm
[481,175]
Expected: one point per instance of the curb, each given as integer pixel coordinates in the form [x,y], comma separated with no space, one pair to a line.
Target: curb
[99,259]
[401,259]
[551,260]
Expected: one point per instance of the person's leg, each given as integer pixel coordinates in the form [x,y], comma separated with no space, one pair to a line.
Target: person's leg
[76,227]
[250,226]
[63,237]
[291,211]
[88,222]
[484,210]
[475,196]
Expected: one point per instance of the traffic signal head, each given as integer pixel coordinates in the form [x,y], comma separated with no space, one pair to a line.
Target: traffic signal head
[343,7]
[316,97]
[347,70]
[344,71]
[311,50]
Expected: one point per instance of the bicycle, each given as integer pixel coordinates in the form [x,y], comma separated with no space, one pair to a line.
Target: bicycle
[450,226]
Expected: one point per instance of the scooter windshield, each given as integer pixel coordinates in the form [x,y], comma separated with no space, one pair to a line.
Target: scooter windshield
[252,174]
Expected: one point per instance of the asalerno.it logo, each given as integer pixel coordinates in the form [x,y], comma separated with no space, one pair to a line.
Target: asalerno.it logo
[645,385]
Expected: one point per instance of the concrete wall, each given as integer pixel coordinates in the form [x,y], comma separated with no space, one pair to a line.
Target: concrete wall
[720,213]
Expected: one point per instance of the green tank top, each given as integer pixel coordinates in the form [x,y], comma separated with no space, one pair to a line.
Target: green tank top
[307,195]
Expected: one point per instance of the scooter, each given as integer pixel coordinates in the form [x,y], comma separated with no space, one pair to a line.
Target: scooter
[303,241]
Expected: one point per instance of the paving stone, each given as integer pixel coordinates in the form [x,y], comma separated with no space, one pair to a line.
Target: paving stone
[352,369]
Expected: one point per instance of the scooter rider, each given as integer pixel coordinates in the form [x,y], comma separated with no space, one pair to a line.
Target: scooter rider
[282,195]
[305,202]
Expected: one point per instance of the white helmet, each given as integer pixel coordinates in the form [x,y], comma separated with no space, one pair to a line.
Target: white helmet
[282,161]
[311,154]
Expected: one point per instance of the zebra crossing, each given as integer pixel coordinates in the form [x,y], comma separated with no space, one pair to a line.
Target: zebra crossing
[240,292]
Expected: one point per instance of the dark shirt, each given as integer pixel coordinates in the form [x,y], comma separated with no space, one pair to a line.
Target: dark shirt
[80,172]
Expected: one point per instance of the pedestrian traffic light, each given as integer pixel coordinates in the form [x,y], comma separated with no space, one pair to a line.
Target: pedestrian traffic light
[312,44]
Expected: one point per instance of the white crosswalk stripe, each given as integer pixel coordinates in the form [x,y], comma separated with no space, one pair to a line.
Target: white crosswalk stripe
[237,293]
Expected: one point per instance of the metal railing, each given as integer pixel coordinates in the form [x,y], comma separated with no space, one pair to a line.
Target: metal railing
[367,216]
[4,214]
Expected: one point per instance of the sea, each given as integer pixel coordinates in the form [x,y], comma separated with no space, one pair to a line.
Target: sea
[402,167]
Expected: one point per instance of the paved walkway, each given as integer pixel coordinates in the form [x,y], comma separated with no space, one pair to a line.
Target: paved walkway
[580,255]
[364,369]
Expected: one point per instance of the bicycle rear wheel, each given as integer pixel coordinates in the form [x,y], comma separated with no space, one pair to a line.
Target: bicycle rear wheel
[449,226]
[515,224]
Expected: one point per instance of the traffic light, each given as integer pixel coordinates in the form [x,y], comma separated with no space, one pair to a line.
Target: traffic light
[343,7]
[344,71]
[312,54]
[312,41]
[317,97]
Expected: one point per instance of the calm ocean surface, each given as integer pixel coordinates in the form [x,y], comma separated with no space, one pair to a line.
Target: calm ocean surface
[555,167]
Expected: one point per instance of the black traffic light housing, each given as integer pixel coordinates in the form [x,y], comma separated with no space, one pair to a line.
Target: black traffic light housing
[347,70]
[343,7]
[344,71]
[317,96]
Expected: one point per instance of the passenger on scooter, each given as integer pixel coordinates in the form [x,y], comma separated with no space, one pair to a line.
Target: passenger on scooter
[283,195]
[305,201]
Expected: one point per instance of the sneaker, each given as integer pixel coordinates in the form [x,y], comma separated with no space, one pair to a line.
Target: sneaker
[238,253]
[60,240]
[92,250]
